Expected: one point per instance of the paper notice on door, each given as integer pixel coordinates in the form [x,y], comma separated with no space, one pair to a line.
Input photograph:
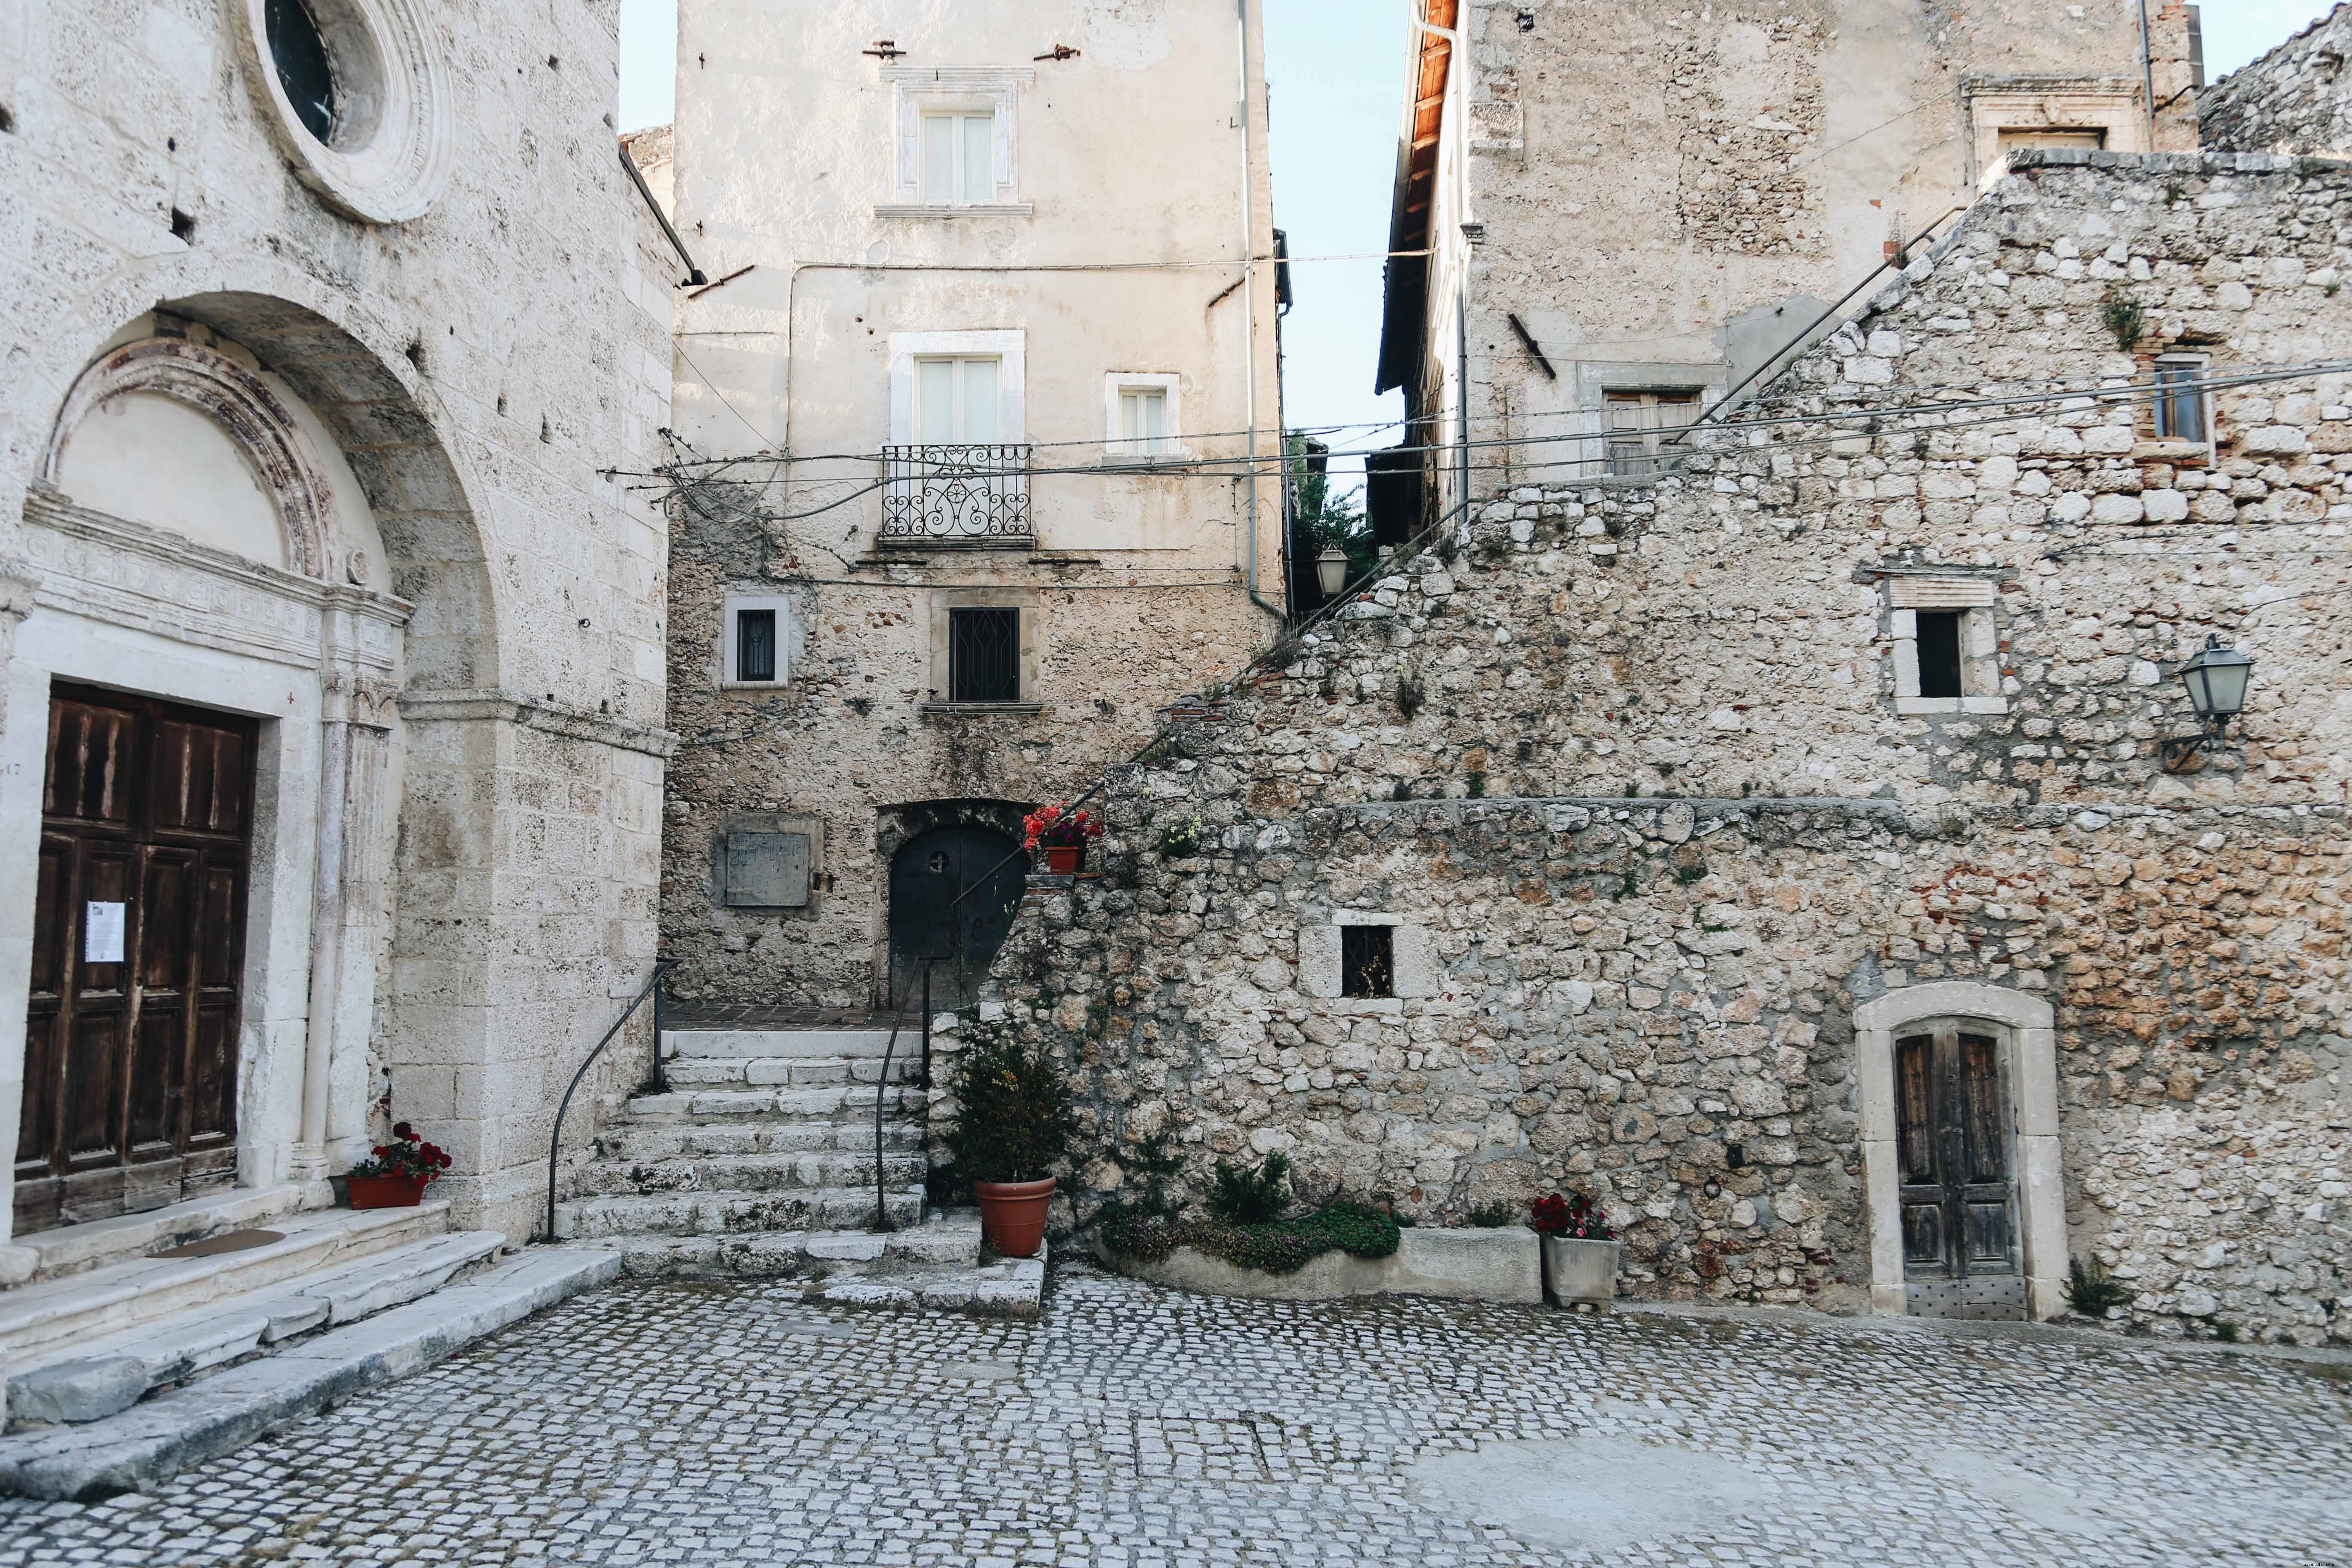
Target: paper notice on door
[101,933]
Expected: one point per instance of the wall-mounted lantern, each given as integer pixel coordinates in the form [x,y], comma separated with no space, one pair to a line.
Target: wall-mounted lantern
[2216,678]
[1331,570]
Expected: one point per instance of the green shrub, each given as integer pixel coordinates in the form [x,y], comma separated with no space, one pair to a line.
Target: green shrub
[1014,1118]
[1494,1215]
[1243,1196]
[1182,841]
[1282,1248]
[2091,1290]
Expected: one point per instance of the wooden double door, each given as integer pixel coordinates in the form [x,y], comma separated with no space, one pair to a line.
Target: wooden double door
[130,1066]
[1955,1137]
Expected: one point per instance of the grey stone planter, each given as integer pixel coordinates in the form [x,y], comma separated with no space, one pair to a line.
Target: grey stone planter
[1580,1271]
[1467,1264]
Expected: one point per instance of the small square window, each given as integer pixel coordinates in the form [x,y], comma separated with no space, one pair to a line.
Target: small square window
[1142,414]
[984,656]
[1939,653]
[755,646]
[1645,430]
[1367,960]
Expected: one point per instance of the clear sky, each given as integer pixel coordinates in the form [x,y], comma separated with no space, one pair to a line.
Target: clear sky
[1336,70]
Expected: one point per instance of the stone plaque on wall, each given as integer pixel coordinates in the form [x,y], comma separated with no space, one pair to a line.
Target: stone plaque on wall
[767,870]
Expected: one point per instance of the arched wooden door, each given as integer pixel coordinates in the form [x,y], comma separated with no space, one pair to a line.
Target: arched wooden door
[930,918]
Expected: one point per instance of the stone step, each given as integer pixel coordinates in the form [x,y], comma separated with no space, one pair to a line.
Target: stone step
[635,1142]
[730,1213]
[949,1242]
[747,1173]
[122,1296]
[89,1379]
[153,1439]
[1010,1288]
[784,1072]
[840,1103]
[737,1044]
[95,1244]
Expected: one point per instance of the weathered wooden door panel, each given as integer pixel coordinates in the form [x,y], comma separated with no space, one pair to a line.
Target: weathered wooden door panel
[131,1049]
[1957,1191]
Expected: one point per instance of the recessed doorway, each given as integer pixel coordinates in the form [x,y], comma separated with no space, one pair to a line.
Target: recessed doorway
[954,893]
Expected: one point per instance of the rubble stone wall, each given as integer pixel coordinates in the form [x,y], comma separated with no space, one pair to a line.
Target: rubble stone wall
[2292,99]
[1621,985]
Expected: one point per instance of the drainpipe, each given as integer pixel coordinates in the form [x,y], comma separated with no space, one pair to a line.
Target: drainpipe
[1249,322]
[2148,75]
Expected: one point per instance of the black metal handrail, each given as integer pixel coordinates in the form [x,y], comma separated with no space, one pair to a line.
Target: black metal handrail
[882,1220]
[555,1139]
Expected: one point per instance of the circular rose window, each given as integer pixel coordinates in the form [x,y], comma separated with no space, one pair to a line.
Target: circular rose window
[359,100]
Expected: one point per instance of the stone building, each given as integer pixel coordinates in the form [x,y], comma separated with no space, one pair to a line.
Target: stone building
[1602,232]
[332,755]
[2292,99]
[965,480]
[1794,849]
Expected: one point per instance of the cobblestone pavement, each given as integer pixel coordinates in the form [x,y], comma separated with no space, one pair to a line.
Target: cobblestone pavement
[717,1424]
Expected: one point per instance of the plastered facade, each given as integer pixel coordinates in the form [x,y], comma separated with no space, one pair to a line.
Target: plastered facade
[800,174]
[1666,201]
[1632,986]
[457,318]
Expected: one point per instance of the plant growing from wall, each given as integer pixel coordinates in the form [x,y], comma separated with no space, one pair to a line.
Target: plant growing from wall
[1243,1196]
[2091,1290]
[1012,1117]
[1410,695]
[2125,319]
[1182,841]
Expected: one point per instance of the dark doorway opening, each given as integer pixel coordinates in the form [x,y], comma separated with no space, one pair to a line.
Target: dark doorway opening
[138,949]
[953,894]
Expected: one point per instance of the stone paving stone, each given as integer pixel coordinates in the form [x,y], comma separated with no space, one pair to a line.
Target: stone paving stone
[700,1422]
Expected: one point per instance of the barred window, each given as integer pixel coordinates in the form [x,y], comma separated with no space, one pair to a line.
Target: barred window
[1367,960]
[984,656]
[755,645]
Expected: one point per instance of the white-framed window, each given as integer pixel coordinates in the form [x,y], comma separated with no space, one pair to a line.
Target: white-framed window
[957,149]
[959,156]
[958,399]
[2182,412]
[755,641]
[1142,416]
[1947,646]
[958,388]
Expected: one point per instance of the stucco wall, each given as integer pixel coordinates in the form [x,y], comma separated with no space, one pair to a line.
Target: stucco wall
[481,368]
[1631,984]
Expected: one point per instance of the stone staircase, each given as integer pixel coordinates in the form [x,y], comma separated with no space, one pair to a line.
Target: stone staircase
[759,1163]
[139,1345]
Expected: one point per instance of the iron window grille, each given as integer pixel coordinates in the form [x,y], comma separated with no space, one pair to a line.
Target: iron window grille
[959,491]
[984,656]
[1367,960]
[755,645]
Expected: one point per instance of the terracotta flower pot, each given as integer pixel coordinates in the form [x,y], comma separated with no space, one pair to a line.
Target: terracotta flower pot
[386,1191]
[1064,859]
[1012,1214]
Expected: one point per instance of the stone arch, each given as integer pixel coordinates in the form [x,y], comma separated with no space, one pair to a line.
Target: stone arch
[430,533]
[2026,1026]
[237,400]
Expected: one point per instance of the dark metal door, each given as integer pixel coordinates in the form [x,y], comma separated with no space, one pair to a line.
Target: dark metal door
[138,943]
[927,878]
[1959,1183]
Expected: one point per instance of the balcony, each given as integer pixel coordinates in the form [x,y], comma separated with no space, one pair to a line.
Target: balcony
[971,494]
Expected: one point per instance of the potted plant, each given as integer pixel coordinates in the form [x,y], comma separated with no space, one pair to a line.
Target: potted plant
[396,1174]
[1063,833]
[1012,1121]
[1579,1250]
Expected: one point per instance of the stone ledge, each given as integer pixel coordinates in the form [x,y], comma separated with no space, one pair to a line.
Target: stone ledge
[533,713]
[1503,1265]
[150,1441]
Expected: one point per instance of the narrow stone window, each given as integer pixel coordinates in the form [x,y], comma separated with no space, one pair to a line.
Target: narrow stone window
[984,656]
[1939,653]
[1367,960]
[2181,400]
[755,645]
[299,52]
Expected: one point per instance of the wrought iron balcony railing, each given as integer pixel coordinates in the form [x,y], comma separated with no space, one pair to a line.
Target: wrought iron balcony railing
[968,493]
